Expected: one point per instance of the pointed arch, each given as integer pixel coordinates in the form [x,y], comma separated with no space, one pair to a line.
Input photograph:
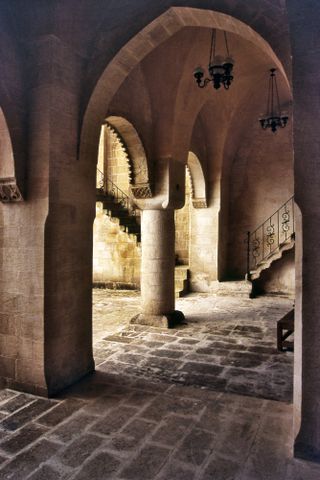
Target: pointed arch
[138,165]
[9,190]
[198,183]
[138,47]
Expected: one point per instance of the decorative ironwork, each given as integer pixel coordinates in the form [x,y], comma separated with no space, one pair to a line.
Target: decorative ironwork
[106,186]
[274,119]
[270,236]
[219,68]
[255,247]
[286,221]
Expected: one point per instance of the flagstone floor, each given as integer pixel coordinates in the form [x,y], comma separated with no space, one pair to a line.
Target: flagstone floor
[227,344]
[162,404]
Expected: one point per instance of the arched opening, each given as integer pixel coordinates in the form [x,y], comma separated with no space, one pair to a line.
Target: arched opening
[174,131]
[140,184]
[199,193]
[204,116]
[9,191]
[116,232]
[227,344]
[140,46]
[122,176]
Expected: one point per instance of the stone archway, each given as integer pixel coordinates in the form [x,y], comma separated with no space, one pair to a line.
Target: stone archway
[9,190]
[118,70]
[116,229]
[169,23]
[199,190]
[138,164]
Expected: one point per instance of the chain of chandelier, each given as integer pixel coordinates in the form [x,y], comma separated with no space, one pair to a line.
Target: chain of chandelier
[220,69]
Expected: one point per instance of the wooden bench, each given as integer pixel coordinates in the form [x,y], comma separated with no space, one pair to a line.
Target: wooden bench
[285,328]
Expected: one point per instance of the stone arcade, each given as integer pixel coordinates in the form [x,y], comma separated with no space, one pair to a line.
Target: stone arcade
[71,70]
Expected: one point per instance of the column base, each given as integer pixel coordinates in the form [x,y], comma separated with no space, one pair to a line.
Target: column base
[169,320]
[306,452]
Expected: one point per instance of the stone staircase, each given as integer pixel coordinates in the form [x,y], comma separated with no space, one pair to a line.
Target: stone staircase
[270,240]
[266,263]
[129,220]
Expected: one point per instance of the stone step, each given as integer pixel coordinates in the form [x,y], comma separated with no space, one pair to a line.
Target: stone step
[181,280]
[239,288]
[120,215]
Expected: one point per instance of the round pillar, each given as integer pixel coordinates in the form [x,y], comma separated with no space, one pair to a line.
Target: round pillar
[157,270]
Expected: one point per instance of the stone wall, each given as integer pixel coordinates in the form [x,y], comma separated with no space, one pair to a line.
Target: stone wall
[116,167]
[260,181]
[116,254]
[112,162]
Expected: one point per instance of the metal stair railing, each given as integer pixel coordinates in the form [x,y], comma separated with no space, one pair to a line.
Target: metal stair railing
[106,186]
[270,236]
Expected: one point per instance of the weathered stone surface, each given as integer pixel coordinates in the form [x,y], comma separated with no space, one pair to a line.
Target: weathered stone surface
[70,429]
[15,403]
[60,412]
[45,473]
[20,418]
[172,430]
[178,472]
[147,464]
[138,429]
[165,405]
[156,431]
[221,351]
[221,469]
[80,449]
[101,465]
[22,438]
[113,421]
[196,447]
[139,399]
[5,395]
[24,463]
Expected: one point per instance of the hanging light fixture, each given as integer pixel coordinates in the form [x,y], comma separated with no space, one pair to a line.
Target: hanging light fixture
[220,70]
[274,119]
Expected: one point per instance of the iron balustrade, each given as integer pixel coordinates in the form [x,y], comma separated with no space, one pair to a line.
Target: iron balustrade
[106,186]
[270,236]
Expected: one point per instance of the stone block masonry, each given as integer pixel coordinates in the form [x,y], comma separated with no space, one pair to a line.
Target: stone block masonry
[116,254]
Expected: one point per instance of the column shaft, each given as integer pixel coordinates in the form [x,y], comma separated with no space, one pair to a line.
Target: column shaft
[157,269]
[157,263]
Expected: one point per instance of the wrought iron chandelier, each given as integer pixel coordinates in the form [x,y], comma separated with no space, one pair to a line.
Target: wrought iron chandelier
[220,70]
[274,119]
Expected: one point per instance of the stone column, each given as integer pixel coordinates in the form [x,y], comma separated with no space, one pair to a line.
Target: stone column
[157,270]
[305,39]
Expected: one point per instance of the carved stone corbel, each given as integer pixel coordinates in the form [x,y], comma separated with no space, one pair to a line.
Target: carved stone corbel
[141,191]
[9,190]
[199,203]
